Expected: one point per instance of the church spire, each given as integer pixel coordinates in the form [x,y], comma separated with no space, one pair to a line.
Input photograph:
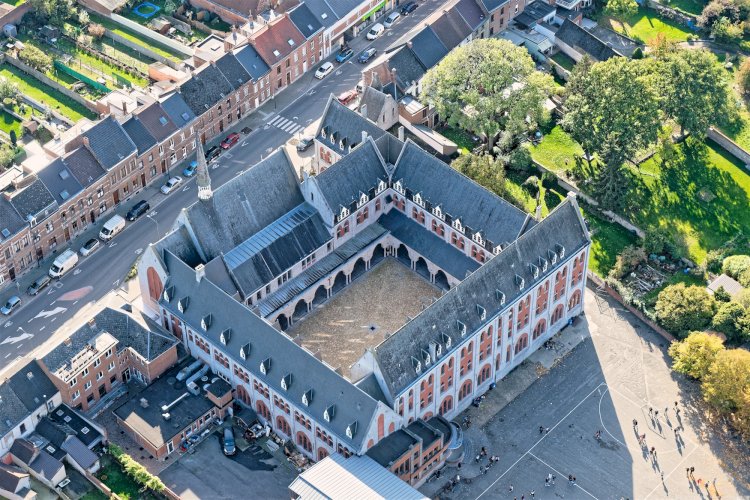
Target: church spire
[201,172]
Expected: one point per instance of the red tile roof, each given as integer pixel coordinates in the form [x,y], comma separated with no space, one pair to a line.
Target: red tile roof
[273,43]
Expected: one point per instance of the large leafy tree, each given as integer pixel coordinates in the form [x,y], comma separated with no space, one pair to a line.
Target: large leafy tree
[727,384]
[622,8]
[488,86]
[484,169]
[54,11]
[695,355]
[681,308]
[732,320]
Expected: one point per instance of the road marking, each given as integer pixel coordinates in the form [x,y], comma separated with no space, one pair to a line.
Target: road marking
[561,474]
[7,356]
[15,340]
[244,143]
[228,156]
[77,272]
[113,244]
[19,346]
[76,302]
[42,328]
[187,187]
[8,323]
[138,251]
[153,213]
[47,314]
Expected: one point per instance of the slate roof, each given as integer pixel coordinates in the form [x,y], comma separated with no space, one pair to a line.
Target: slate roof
[276,248]
[11,477]
[425,242]
[266,343]
[249,58]
[204,89]
[370,385]
[390,148]
[451,28]
[492,5]
[534,13]
[340,122]
[178,110]
[23,450]
[79,452]
[34,201]
[57,178]
[74,424]
[10,222]
[179,243]
[53,436]
[323,12]
[563,226]
[32,386]
[128,329]
[428,48]
[245,205]
[233,70]
[46,465]
[305,21]
[109,143]
[139,134]
[471,12]
[408,65]
[156,120]
[583,41]
[276,38]
[392,447]
[375,100]
[84,166]
[343,183]
[458,196]
[14,410]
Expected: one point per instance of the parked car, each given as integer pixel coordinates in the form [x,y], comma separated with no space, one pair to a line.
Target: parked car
[189,171]
[408,8]
[391,19]
[38,285]
[212,152]
[89,247]
[229,448]
[11,305]
[324,70]
[375,32]
[305,143]
[344,54]
[138,209]
[230,141]
[111,228]
[65,262]
[367,55]
[171,184]
[346,97]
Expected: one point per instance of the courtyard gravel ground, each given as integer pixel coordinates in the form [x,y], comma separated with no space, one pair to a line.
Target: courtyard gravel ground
[603,372]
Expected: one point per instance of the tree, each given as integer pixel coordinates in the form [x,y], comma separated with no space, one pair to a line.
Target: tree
[96,30]
[731,320]
[695,90]
[54,11]
[661,46]
[13,137]
[695,355]
[83,17]
[721,295]
[727,382]
[716,10]
[483,169]
[613,110]
[35,58]
[169,7]
[736,266]
[681,308]
[489,86]
[627,261]
[727,31]
[7,90]
[520,157]
[621,8]
[743,76]
[6,157]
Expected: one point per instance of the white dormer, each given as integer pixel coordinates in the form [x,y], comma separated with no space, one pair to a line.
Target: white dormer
[478,238]
[245,351]
[439,349]
[560,250]
[500,296]
[351,430]
[427,358]
[341,144]
[323,132]
[381,187]
[329,413]
[461,328]
[307,397]
[534,270]
[543,263]
[265,366]
[552,256]
[497,249]
[418,200]
[286,381]
[446,340]
[457,225]
[344,213]
[438,212]
[225,336]
[399,187]
[520,282]
[416,364]
[363,199]
[482,312]
[166,294]
[206,322]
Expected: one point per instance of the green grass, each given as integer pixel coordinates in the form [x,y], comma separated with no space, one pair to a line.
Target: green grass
[136,38]
[14,3]
[607,241]
[98,66]
[94,495]
[694,7]
[461,137]
[564,60]
[675,197]
[645,25]
[120,483]
[9,122]
[556,151]
[45,94]
[678,277]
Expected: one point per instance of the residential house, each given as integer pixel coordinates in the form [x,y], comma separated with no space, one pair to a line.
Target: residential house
[240,11]
[14,483]
[378,107]
[38,462]
[69,438]
[576,41]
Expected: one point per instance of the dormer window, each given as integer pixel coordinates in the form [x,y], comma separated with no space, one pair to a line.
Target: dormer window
[478,238]
[427,358]
[520,282]
[265,366]
[225,336]
[182,304]
[307,397]
[168,292]
[381,186]
[534,270]
[438,212]
[351,430]
[497,249]
[438,349]
[461,328]
[363,199]
[417,365]
[560,250]
[324,132]
[341,144]
[458,226]
[344,213]
[245,351]
[399,187]
[447,340]
[418,200]
[329,413]
[543,264]
[482,312]
[552,256]
[206,322]
[286,381]
[500,297]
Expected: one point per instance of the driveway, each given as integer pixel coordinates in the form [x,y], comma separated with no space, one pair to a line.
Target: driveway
[208,474]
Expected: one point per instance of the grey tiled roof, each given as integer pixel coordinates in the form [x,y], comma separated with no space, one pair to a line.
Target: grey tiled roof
[390,148]
[79,452]
[534,13]
[249,58]
[84,166]
[323,12]
[392,447]
[156,120]
[451,28]
[305,21]
[109,143]
[32,386]
[232,70]
[23,450]
[178,110]
[343,183]
[428,48]
[179,243]
[53,434]
[245,205]
[492,5]
[46,465]
[458,196]
[59,181]
[374,99]
[34,201]
[370,385]
[265,342]
[10,222]
[139,134]
[341,122]
[581,40]
[408,66]
[14,410]
[204,89]
[10,477]
[563,226]
[129,330]
[471,12]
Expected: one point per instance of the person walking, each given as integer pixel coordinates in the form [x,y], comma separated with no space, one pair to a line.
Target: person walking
[650,411]
[533,493]
[574,480]
[546,482]
[635,425]
[692,471]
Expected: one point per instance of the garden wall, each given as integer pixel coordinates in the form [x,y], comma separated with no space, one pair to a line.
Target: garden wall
[15,15]
[158,38]
[145,51]
[725,142]
[101,486]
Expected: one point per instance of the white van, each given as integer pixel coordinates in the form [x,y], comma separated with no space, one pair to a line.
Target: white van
[391,19]
[111,228]
[63,263]
[377,30]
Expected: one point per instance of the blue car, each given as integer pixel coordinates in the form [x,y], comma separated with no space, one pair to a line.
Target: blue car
[344,54]
[190,169]
[367,55]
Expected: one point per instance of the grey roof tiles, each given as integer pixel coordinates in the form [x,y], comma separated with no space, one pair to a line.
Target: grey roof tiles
[582,40]
[32,386]
[109,143]
[60,181]
[204,89]
[341,123]
[10,221]
[428,48]
[84,166]
[34,201]
[139,134]
[249,58]
[156,120]
[451,28]
[178,110]
[305,21]
[233,70]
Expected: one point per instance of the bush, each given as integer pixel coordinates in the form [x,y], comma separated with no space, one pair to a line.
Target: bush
[726,386]
[732,321]
[638,53]
[658,241]
[35,58]
[520,158]
[695,355]
[627,261]
[531,185]
[136,470]
[743,76]
[736,265]
[680,309]
[96,30]
[714,260]
[722,295]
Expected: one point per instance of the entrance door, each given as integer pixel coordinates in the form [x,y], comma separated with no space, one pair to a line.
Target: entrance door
[164,166]
[116,197]
[102,390]
[126,374]
[221,126]
[143,179]
[93,217]
[67,234]
[288,77]
[12,273]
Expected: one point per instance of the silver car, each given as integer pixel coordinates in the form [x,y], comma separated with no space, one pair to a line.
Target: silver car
[11,305]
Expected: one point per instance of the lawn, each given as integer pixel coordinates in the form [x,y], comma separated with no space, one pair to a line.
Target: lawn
[703,198]
[550,198]
[136,38]
[120,483]
[693,7]
[607,241]
[564,60]
[556,151]
[645,25]
[9,122]
[40,92]
[461,137]
[196,35]
[14,3]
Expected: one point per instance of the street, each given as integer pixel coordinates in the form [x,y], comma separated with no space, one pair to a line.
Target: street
[273,124]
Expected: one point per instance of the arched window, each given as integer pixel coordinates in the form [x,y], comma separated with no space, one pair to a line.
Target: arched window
[322,453]
[263,410]
[446,405]
[558,313]
[575,300]
[243,395]
[465,390]
[155,286]
[283,426]
[539,329]
[521,343]
[484,374]
[304,442]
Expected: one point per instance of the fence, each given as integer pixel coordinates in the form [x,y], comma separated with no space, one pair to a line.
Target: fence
[725,142]
[144,51]
[60,66]
[154,36]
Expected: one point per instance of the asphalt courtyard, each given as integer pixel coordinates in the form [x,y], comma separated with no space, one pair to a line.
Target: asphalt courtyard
[616,374]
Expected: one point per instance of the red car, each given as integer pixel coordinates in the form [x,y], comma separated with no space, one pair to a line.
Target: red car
[347,97]
[230,141]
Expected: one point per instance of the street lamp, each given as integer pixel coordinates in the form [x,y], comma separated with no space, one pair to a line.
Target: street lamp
[148,216]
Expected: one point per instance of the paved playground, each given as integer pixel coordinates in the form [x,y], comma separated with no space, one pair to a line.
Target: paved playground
[615,374]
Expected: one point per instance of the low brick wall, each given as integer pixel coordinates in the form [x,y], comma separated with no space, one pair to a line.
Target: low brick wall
[725,142]
[15,15]
[101,486]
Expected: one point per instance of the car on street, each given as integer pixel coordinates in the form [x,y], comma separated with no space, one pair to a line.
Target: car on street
[304,144]
[11,305]
[38,285]
[344,55]
[409,8]
[189,171]
[367,55]
[138,209]
[212,152]
[391,19]
[375,32]
[89,247]
[347,97]
[230,141]
[229,447]
[324,70]
[171,184]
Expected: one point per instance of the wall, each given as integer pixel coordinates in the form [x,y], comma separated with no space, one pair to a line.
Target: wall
[15,15]
[141,49]
[156,37]
[735,149]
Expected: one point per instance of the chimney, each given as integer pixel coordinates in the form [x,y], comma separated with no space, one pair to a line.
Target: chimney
[200,272]
[433,351]
[124,107]
[363,110]
[409,44]
[401,134]
[144,403]
[538,212]
[364,136]
[394,71]
[68,342]
[572,195]
[85,140]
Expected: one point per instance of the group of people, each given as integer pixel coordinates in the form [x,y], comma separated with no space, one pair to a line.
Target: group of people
[490,460]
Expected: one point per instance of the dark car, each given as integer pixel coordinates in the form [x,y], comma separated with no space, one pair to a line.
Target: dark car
[212,152]
[138,209]
[367,55]
[40,284]
[304,143]
[344,54]
[408,8]
[229,447]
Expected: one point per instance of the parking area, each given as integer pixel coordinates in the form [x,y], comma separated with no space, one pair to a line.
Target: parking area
[208,474]
[617,372]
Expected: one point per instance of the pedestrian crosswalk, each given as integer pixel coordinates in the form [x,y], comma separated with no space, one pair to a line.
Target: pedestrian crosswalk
[285,124]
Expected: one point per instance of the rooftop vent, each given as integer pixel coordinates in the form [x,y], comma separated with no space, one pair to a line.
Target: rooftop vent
[144,403]
[64,174]
[5,232]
